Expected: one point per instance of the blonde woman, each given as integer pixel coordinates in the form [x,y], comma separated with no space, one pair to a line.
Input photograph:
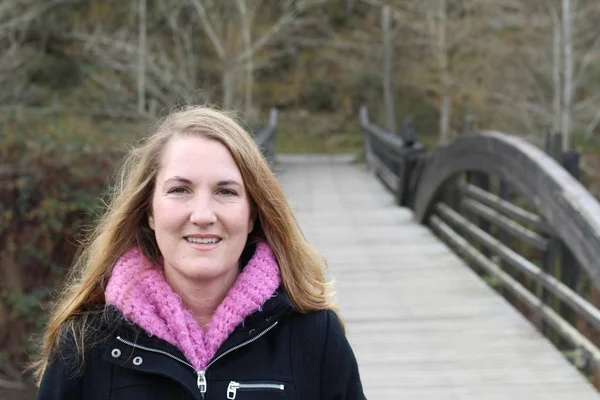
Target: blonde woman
[197,283]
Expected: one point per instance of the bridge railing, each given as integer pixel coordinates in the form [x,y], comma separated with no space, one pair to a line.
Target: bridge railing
[521,220]
[396,160]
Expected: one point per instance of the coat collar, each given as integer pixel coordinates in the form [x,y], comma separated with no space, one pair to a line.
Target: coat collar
[139,290]
[275,309]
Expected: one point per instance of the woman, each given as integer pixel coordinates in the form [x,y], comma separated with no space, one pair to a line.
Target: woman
[197,284]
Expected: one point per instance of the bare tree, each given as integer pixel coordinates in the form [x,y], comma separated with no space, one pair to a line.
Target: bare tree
[388,86]
[438,28]
[556,70]
[16,18]
[247,18]
[141,78]
[222,26]
[567,42]
[559,50]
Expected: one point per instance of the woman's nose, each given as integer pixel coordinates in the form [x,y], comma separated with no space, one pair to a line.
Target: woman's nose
[203,213]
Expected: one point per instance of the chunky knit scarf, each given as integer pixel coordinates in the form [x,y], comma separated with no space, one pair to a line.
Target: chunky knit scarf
[139,290]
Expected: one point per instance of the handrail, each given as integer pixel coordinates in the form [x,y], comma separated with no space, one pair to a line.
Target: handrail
[567,207]
[396,161]
[396,142]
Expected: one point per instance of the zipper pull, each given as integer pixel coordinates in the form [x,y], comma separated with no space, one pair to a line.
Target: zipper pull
[232,390]
[202,385]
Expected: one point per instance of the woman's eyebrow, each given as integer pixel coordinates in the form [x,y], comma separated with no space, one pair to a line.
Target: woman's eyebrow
[179,179]
[229,182]
[224,182]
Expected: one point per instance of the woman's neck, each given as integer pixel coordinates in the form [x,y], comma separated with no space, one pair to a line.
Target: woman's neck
[201,297]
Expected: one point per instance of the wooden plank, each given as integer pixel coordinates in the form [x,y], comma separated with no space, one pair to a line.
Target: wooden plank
[506,224]
[504,207]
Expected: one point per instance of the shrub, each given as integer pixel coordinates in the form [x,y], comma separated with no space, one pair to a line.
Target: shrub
[319,95]
[49,190]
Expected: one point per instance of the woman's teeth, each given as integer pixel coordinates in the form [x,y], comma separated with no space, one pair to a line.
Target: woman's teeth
[202,240]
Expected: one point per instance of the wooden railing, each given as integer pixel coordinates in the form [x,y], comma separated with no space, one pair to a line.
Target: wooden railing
[519,218]
[396,160]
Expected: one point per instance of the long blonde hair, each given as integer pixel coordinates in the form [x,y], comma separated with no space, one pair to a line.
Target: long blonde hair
[125,225]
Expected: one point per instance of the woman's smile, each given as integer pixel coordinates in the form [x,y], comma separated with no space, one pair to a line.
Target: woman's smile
[204,242]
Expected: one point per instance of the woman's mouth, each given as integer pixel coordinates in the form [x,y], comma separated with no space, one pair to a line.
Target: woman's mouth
[210,240]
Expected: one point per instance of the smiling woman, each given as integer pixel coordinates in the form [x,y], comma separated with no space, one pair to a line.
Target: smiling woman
[197,283]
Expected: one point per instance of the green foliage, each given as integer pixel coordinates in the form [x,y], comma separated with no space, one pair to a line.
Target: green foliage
[365,88]
[56,71]
[318,95]
[61,181]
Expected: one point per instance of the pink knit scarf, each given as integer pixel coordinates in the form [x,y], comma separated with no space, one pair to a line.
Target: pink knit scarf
[139,290]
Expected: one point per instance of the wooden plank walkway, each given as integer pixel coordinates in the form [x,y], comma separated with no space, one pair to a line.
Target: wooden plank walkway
[422,324]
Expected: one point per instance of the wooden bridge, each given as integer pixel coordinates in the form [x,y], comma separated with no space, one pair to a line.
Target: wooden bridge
[463,272]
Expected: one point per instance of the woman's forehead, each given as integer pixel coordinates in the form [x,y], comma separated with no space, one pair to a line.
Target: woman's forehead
[192,157]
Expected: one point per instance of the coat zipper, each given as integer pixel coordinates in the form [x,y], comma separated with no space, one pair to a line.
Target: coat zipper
[201,382]
[234,386]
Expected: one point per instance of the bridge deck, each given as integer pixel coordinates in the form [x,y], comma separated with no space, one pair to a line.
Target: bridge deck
[422,324]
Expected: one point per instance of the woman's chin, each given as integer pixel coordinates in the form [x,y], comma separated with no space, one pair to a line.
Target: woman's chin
[203,272]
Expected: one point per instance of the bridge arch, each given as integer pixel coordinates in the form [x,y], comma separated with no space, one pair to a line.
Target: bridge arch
[570,211]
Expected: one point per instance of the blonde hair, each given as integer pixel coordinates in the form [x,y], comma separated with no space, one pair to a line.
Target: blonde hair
[125,225]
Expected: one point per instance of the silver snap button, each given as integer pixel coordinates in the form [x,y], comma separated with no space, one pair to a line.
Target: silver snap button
[116,353]
[138,360]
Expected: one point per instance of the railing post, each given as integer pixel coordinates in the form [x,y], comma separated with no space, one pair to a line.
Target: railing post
[553,145]
[364,120]
[553,256]
[402,173]
[481,180]
[505,238]
[571,162]
[419,163]
[409,134]
[569,270]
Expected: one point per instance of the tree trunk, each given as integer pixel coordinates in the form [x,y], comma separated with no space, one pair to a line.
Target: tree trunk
[568,75]
[445,107]
[228,86]
[350,6]
[141,78]
[445,103]
[248,64]
[388,89]
[556,84]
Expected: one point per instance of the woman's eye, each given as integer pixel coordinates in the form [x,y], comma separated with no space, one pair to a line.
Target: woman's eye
[177,190]
[226,192]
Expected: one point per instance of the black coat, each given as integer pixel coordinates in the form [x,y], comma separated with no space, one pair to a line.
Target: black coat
[276,353]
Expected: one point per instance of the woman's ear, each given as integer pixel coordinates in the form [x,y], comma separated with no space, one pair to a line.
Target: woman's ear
[253,217]
[251,222]
[151,221]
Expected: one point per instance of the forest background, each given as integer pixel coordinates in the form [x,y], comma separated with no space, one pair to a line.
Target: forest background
[81,80]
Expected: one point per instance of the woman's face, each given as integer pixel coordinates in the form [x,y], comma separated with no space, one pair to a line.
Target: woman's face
[200,210]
